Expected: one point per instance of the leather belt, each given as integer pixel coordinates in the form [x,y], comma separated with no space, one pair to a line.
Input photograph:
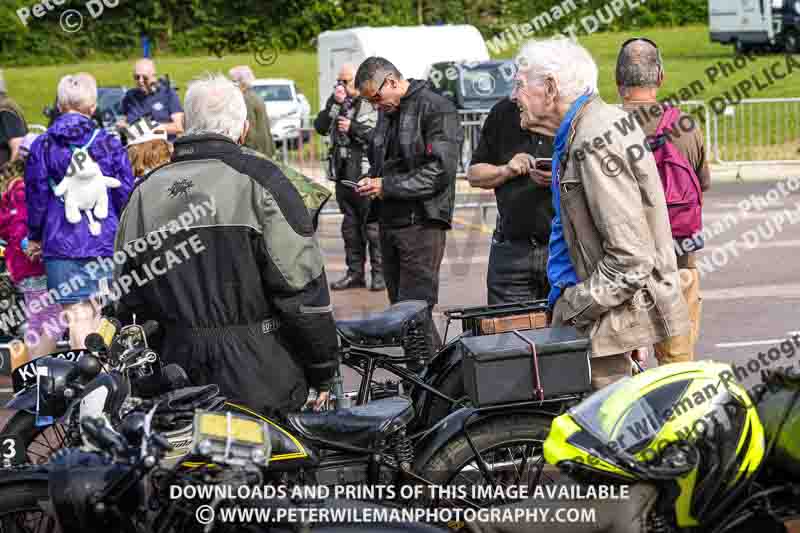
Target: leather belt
[266,326]
[687,260]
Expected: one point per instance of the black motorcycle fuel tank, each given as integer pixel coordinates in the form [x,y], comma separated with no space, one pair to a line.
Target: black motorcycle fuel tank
[104,395]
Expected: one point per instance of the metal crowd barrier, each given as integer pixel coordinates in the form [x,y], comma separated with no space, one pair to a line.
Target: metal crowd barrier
[758,130]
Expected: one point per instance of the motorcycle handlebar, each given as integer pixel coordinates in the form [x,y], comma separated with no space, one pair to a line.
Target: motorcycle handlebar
[102,435]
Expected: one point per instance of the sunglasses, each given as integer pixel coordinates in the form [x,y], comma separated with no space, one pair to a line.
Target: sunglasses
[141,76]
[346,82]
[377,96]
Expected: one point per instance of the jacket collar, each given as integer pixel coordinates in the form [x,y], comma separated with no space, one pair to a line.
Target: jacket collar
[203,146]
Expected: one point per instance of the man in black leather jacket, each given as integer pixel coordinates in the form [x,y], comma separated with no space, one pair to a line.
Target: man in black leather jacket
[414,156]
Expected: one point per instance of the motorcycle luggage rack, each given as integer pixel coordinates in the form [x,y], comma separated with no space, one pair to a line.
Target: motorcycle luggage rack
[470,317]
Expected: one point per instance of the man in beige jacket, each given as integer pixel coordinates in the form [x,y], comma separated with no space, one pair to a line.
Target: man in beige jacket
[612,265]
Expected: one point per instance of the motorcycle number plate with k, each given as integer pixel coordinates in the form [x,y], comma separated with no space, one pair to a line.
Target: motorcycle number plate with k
[12,450]
[25,375]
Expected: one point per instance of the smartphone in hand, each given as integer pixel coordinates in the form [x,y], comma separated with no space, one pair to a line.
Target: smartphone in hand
[544,163]
[347,183]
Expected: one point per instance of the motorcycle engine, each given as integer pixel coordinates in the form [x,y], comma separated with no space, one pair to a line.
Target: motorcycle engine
[76,479]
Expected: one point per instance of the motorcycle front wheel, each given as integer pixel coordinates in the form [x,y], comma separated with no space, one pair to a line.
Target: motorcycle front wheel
[20,509]
[40,442]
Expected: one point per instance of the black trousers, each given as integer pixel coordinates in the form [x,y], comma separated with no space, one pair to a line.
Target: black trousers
[412,258]
[517,272]
[357,233]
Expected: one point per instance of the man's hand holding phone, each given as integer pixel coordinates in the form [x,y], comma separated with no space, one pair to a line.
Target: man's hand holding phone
[371,187]
[542,171]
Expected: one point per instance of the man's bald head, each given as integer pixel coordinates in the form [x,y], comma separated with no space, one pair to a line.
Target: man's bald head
[639,64]
[144,73]
[348,71]
[347,75]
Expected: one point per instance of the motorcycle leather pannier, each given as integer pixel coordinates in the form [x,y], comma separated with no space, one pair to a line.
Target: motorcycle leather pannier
[525,365]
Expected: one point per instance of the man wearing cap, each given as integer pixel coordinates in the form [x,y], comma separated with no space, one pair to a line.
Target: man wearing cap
[259,137]
[152,98]
[12,125]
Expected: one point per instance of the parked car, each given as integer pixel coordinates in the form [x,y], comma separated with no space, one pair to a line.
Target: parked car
[287,108]
[109,108]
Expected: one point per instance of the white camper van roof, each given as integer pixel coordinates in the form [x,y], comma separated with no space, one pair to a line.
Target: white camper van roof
[411,48]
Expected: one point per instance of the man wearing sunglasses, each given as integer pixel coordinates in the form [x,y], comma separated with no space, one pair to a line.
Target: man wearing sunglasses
[414,158]
[151,97]
[350,121]
[639,73]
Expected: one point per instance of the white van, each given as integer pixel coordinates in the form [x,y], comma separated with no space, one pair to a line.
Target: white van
[750,24]
[410,48]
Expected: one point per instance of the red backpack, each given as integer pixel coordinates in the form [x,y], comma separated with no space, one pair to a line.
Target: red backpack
[680,181]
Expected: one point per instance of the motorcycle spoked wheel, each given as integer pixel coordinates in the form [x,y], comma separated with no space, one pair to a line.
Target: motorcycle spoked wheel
[20,510]
[511,446]
[40,442]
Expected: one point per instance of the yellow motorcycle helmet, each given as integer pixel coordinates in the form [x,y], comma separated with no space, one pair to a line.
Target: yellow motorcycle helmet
[690,426]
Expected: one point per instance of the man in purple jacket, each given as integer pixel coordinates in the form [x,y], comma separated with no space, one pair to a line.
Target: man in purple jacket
[72,254]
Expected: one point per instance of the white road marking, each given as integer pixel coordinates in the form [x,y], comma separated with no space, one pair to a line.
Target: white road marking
[748,343]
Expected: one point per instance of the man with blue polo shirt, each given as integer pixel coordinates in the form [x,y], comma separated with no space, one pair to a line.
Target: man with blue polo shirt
[154,99]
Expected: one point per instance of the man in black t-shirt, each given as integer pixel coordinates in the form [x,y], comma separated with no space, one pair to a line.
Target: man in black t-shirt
[504,161]
[12,126]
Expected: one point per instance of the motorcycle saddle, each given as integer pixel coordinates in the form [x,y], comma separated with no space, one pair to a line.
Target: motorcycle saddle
[387,327]
[362,426]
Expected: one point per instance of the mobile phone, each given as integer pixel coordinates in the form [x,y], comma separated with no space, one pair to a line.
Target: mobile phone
[348,183]
[543,163]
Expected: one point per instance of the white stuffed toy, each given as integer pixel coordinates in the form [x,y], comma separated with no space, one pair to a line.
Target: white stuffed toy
[85,188]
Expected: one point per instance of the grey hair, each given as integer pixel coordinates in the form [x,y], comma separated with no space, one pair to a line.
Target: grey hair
[214,104]
[569,63]
[375,69]
[639,64]
[77,92]
[243,75]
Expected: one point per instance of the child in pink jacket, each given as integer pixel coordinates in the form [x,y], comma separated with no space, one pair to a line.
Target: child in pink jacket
[45,325]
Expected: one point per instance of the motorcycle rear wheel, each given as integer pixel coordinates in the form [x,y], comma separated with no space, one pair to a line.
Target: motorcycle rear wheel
[20,510]
[512,447]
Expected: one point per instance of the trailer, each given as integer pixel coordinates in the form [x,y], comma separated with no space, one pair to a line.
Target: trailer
[412,49]
[748,25]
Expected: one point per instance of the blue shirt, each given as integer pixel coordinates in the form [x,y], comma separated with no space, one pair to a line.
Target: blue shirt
[560,271]
[160,105]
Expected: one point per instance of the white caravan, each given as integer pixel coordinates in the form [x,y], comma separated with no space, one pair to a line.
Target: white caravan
[411,48]
[749,24]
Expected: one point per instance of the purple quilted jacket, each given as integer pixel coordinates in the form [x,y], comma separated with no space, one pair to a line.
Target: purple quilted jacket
[46,166]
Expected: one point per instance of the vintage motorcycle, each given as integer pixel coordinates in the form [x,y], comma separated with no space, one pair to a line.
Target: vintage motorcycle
[711,456]
[118,480]
[371,442]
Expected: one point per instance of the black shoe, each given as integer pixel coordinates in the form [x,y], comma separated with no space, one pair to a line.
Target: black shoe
[350,281]
[378,283]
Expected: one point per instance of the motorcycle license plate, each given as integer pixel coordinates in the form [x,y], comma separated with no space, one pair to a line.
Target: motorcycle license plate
[12,450]
[25,375]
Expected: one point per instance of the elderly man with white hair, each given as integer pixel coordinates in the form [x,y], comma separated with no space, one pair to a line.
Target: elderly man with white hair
[151,98]
[238,284]
[611,263]
[71,249]
[259,138]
